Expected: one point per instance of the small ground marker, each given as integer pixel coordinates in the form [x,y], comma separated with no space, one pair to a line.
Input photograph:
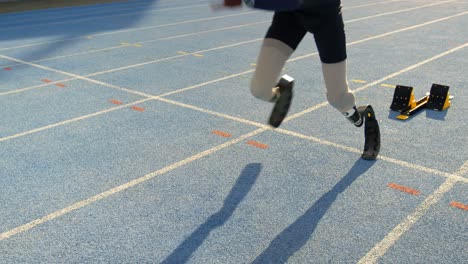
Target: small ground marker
[117,102]
[404,189]
[46,80]
[60,85]
[198,55]
[221,133]
[7,68]
[182,52]
[257,144]
[358,81]
[137,108]
[388,85]
[459,205]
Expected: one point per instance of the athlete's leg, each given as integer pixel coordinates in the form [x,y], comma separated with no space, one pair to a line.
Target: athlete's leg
[270,62]
[282,38]
[331,42]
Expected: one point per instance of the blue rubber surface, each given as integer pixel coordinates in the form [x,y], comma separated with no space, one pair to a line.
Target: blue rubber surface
[128,134]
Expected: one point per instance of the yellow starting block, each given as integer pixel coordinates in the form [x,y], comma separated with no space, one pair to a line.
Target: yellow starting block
[404,102]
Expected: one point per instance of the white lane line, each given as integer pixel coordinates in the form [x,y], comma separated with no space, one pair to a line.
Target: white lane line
[173,57]
[401,11]
[372,4]
[68,121]
[129,30]
[34,87]
[382,247]
[123,187]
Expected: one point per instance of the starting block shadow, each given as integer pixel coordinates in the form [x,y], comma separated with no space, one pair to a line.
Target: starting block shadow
[436,115]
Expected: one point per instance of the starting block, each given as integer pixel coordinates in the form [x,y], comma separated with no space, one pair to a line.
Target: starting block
[404,102]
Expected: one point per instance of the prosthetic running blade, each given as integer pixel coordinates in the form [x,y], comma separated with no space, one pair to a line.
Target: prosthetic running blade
[371,133]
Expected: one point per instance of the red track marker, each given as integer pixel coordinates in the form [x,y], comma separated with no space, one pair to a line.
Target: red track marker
[459,205]
[117,102]
[257,144]
[7,69]
[46,80]
[137,108]
[404,189]
[60,85]
[221,133]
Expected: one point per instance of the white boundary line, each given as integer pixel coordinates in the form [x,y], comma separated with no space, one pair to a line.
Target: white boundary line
[382,247]
[98,197]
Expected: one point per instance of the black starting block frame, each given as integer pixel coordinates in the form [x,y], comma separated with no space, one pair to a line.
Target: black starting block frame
[403,100]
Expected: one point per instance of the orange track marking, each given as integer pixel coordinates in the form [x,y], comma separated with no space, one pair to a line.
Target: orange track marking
[221,133]
[137,108]
[404,189]
[257,144]
[459,205]
[117,102]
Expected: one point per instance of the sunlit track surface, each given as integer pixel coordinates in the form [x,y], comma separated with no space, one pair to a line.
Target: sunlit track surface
[128,134]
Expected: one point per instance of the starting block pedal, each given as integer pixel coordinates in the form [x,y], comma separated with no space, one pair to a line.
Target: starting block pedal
[404,102]
[402,98]
[439,98]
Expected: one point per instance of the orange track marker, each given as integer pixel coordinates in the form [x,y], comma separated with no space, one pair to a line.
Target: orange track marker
[404,189]
[60,85]
[221,133]
[257,144]
[117,102]
[7,69]
[46,80]
[137,108]
[459,205]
